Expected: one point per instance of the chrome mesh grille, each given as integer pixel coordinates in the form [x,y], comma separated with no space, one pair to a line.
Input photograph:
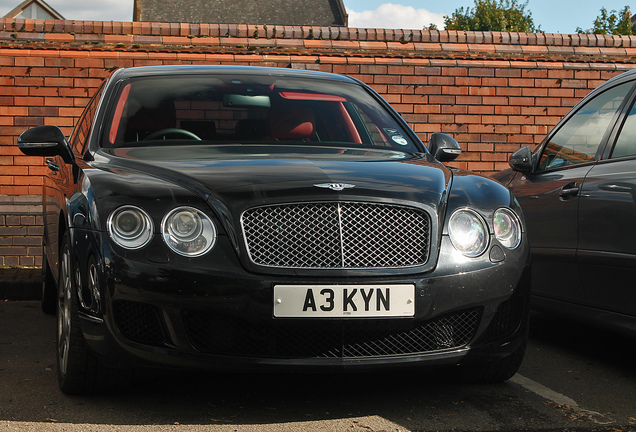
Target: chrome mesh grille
[212,333]
[337,235]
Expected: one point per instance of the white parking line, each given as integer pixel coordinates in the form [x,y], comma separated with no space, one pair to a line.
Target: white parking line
[559,399]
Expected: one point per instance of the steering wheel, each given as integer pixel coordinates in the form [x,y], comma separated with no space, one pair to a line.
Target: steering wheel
[164,132]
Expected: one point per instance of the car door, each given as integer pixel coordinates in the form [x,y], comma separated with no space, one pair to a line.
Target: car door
[60,181]
[550,196]
[607,232]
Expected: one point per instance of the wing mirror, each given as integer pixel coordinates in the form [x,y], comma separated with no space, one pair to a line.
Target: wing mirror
[444,147]
[45,141]
[521,160]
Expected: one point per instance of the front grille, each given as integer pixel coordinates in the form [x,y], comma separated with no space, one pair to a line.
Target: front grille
[221,335]
[337,235]
[138,322]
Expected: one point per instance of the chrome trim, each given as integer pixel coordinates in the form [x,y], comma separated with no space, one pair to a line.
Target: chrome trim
[335,186]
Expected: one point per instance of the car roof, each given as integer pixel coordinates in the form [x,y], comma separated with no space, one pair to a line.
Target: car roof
[625,76]
[146,71]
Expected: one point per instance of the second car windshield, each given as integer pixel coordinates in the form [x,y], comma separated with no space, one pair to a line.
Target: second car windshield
[250,109]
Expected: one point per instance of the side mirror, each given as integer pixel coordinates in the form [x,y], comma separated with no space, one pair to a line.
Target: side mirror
[444,147]
[45,141]
[521,160]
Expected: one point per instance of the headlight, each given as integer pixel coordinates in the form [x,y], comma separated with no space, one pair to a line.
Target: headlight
[468,232]
[130,227]
[507,228]
[188,231]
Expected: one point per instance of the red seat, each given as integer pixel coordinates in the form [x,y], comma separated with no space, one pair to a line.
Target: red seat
[292,123]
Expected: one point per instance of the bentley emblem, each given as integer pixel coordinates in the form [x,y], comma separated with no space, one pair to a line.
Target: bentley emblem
[335,186]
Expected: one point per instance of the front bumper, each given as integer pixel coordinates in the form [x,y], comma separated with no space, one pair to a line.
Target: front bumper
[210,313]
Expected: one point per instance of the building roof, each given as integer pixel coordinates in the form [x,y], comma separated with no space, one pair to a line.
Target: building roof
[273,12]
[34,9]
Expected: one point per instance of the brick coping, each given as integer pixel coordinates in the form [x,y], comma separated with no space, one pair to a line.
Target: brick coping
[131,36]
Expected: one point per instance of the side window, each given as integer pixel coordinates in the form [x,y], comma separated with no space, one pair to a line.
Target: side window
[83,126]
[578,140]
[626,142]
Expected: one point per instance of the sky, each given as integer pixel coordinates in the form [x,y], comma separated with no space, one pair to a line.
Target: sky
[563,16]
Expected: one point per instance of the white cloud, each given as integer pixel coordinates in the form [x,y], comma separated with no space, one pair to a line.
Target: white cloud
[108,10]
[395,16]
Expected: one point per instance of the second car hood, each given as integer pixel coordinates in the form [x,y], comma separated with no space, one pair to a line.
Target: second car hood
[241,176]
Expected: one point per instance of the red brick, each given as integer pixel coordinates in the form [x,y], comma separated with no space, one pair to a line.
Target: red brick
[483,91]
[444,81]
[29,61]
[534,92]
[28,81]
[28,101]
[466,81]
[508,73]
[468,119]
[521,82]
[560,74]
[495,100]
[43,72]
[495,82]
[401,70]
[44,91]
[87,82]
[14,190]
[561,92]
[26,180]
[58,82]
[491,119]
[13,111]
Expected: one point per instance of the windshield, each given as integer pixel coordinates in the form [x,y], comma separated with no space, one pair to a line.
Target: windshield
[186,110]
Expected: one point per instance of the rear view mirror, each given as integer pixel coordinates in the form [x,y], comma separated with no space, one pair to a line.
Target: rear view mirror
[521,160]
[45,141]
[444,147]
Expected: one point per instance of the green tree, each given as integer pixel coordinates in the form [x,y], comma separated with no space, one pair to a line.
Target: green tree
[492,15]
[612,23]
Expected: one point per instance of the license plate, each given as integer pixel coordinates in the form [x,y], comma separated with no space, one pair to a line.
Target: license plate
[349,301]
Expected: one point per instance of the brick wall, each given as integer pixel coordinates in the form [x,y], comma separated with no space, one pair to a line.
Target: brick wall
[20,231]
[492,91]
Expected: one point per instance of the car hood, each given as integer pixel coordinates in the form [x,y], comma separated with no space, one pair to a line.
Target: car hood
[237,177]
[270,173]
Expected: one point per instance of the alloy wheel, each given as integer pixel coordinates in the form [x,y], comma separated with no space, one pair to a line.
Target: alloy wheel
[64,314]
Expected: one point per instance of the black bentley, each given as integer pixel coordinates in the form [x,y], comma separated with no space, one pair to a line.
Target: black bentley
[218,217]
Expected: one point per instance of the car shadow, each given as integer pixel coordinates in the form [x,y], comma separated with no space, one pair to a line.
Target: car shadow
[378,400]
[594,343]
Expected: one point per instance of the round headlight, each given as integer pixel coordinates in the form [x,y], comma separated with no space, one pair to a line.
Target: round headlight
[188,231]
[130,227]
[468,232]
[507,228]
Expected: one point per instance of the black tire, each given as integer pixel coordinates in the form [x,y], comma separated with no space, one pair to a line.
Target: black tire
[78,370]
[495,371]
[49,288]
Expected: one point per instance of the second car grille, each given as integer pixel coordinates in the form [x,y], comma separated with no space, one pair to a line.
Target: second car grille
[344,235]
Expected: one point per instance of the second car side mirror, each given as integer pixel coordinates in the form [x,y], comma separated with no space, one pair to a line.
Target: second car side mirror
[521,160]
[444,147]
[45,141]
